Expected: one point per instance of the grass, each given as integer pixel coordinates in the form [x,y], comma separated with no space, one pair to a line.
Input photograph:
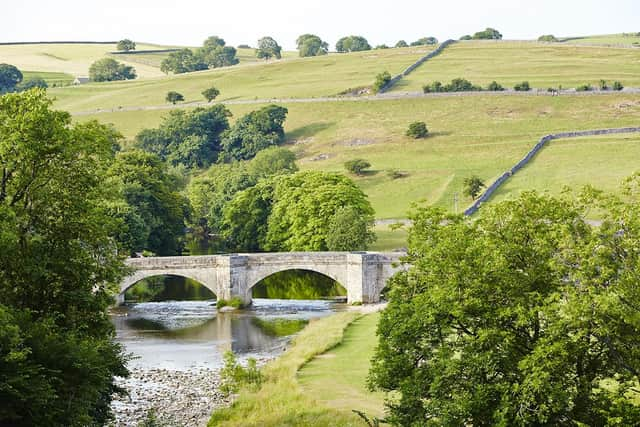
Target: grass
[388,239]
[292,78]
[50,77]
[337,378]
[481,135]
[543,65]
[558,165]
[605,40]
[281,402]
[73,59]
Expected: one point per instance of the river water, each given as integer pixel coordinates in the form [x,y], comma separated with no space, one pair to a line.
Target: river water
[177,347]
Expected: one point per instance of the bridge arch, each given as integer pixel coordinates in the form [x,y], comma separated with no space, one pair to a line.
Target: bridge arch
[202,277]
[303,283]
[259,276]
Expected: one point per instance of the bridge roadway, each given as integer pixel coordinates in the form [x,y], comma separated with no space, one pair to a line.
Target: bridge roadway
[362,274]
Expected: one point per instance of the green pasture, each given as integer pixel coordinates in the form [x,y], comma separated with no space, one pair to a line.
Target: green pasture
[543,65]
[482,135]
[291,78]
[606,39]
[74,59]
[50,77]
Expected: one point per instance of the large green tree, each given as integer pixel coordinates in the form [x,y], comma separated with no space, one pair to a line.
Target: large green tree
[108,70]
[59,264]
[182,61]
[254,132]
[126,45]
[304,205]
[10,77]
[268,48]
[526,316]
[352,44]
[311,45]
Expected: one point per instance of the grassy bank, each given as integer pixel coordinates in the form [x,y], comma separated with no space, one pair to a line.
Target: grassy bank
[282,401]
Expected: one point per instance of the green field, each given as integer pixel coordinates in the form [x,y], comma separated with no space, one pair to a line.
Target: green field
[50,77]
[337,378]
[74,59]
[483,135]
[605,40]
[293,78]
[543,65]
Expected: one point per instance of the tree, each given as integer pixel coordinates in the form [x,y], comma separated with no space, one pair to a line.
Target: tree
[32,83]
[182,61]
[425,41]
[382,80]
[210,94]
[157,210]
[547,38]
[254,132]
[174,97]
[352,44]
[10,77]
[126,45]
[108,70]
[617,86]
[350,231]
[381,46]
[523,316]
[466,37]
[472,186]
[311,45]
[303,206]
[58,268]
[494,86]
[272,161]
[189,138]
[357,166]
[522,87]
[417,130]
[268,48]
[488,34]
[401,43]
[215,54]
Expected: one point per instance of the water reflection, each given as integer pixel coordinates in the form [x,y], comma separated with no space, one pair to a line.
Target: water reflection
[190,334]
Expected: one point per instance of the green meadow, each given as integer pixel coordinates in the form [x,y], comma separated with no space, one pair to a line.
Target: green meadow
[543,65]
[50,77]
[606,39]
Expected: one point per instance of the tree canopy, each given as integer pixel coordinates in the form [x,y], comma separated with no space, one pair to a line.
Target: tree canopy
[526,315]
[488,34]
[311,45]
[254,132]
[108,70]
[268,48]
[425,41]
[126,45]
[58,267]
[213,54]
[352,44]
[10,77]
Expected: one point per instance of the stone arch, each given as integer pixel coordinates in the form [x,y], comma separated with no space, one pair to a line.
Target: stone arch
[256,277]
[202,277]
[305,269]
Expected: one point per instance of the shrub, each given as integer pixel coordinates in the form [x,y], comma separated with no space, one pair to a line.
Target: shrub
[488,34]
[417,130]
[108,70]
[466,37]
[433,87]
[495,86]
[210,94]
[547,38]
[401,43]
[381,46]
[461,85]
[603,85]
[472,186]
[382,80]
[522,87]
[584,88]
[617,86]
[174,97]
[233,375]
[357,166]
[235,302]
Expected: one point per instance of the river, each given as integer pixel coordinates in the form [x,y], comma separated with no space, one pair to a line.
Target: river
[176,346]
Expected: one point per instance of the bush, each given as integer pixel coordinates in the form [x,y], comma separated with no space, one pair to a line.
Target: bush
[603,85]
[235,302]
[210,94]
[174,97]
[108,70]
[382,80]
[472,186]
[456,85]
[466,37]
[495,86]
[401,43]
[417,130]
[584,88]
[488,34]
[547,38]
[357,166]
[617,86]
[233,375]
[433,87]
[522,87]
[126,45]
[381,46]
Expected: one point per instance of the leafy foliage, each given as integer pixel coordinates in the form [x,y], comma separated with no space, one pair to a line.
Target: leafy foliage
[547,38]
[494,86]
[488,34]
[210,93]
[349,230]
[10,77]
[584,88]
[126,45]
[254,132]
[381,81]
[189,138]
[108,70]
[352,44]
[233,375]
[617,86]
[311,45]
[182,61]
[33,83]
[472,186]
[522,87]
[58,266]
[524,316]
[268,48]
[357,166]
[417,130]
[425,41]
[456,85]
[401,43]
[174,97]
[213,54]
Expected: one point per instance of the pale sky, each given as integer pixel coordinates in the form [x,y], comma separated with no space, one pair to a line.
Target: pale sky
[189,22]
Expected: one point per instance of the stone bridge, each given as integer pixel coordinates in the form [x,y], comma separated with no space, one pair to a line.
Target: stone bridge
[362,274]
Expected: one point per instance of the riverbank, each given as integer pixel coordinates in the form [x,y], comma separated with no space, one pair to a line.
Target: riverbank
[283,401]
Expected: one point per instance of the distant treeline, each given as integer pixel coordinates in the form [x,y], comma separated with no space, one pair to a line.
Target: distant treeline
[58,42]
[137,52]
